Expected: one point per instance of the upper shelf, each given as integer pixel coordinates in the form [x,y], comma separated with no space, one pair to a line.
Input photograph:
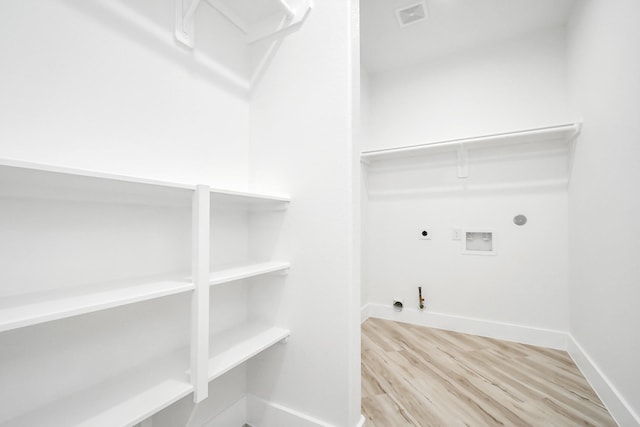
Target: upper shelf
[35,180]
[561,133]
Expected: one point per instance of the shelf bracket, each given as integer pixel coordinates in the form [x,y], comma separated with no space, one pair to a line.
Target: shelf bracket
[284,272]
[293,17]
[185,11]
[463,161]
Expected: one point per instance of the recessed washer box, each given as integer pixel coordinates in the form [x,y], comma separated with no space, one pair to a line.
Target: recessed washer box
[478,241]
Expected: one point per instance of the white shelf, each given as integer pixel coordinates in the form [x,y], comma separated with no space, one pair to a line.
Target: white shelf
[232,195]
[35,180]
[120,402]
[246,200]
[30,309]
[562,133]
[235,346]
[245,271]
[91,174]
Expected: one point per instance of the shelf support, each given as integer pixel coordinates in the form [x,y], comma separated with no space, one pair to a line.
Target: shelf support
[293,18]
[287,9]
[185,11]
[200,299]
[228,13]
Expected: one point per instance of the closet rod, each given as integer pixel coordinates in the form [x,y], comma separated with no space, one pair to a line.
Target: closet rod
[558,129]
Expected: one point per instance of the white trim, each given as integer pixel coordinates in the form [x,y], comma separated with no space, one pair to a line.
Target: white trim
[618,407]
[361,422]
[365,312]
[269,414]
[500,330]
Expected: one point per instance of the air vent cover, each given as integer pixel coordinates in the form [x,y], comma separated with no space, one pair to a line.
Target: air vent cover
[411,14]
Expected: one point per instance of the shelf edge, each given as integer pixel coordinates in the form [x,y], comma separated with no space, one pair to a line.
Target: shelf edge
[271,267]
[80,309]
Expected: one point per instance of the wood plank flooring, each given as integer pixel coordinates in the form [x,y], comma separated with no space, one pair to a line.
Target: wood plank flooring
[418,376]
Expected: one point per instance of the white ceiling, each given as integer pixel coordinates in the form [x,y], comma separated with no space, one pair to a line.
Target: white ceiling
[451,25]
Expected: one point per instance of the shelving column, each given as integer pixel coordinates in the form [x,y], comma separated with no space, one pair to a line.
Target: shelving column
[200,302]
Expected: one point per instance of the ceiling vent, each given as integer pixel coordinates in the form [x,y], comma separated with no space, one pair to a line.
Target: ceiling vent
[411,14]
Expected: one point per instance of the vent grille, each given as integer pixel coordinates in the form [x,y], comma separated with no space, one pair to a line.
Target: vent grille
[411,14]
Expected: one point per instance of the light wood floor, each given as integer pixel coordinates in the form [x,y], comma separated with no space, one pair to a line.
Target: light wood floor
[417,376]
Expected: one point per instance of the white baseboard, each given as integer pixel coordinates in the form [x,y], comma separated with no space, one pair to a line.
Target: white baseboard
[618,407]
[262,413]
[365,312]
[504,331]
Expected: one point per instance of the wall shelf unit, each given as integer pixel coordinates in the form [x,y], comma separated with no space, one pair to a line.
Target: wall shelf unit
[133,394]
[563,134]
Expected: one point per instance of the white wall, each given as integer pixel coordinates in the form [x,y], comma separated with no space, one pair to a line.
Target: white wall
[524,284]
[516,84]
[604,65]
[102,85]
[301,144]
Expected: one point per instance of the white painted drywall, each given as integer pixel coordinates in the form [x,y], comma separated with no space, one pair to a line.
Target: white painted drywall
[525,283]
[102,85]
[512,85]
[604,65]
[301,124]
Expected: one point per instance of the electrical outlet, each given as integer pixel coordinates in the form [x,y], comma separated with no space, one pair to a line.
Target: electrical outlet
[456,234]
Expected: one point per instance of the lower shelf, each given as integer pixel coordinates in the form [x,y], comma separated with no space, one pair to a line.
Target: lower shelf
[237,345]
[119,402]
